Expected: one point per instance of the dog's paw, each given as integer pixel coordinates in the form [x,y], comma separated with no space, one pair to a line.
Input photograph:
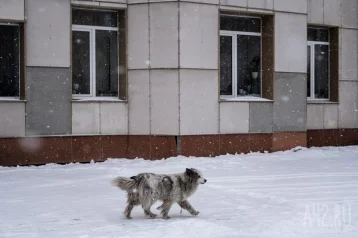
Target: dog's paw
[128,218]
[166,217]
[152,216]
[195,213]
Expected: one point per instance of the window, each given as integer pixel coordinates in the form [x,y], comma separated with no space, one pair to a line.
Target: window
[240,56]
[95,60]
[318,50]
[9,60]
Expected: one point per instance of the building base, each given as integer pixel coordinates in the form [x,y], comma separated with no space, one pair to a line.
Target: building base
[67,149]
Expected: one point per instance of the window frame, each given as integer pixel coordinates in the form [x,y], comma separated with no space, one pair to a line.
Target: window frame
[92,35]
[234,35]
[20,61]
[312,78]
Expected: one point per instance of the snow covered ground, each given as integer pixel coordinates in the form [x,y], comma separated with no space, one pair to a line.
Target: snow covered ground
[309,193]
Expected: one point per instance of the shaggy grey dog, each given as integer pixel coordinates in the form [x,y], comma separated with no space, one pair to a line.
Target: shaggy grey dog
[147,188]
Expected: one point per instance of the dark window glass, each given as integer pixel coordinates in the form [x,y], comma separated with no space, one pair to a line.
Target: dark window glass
[317,34]
[248,65]
[106,63]
[308,71]
[232,23]
[81,77]
[9,61]
[225,65]
[94,18]
[321,71]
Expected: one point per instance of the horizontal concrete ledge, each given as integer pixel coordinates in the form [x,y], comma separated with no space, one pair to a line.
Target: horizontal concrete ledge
[85,3]
[113,5]
[296,13]
[235,9]
[109,5]
[255,10]
[12,20]
[346,28]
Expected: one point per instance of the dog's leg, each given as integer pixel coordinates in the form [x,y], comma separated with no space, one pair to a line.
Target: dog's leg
[165,207]
[149,214]
[128,210]
[146,207]
[132,200]
[187,206]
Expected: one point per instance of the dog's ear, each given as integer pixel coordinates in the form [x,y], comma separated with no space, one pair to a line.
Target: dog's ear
[189,171]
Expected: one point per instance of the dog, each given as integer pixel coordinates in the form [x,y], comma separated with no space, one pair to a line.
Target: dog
[147,188]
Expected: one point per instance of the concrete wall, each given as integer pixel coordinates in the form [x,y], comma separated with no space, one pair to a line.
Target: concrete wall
[198,36]
[261,117]
[290,85]
[290,102]
[138,36]
[234,117]
[164,102]
[93,118]
[173,70]
[290,43]
[199,110]
[344,114]
[48,91]
[48,106]
[12,119]
[164,35]
[322,116]
[48,33]
[138,102]
[12,116]
[162,81]
[199,106]
[13,10]
[333,12]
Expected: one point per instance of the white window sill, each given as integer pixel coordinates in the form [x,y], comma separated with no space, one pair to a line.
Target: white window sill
[245,99]
[4,99]
[98,99]
[320,101]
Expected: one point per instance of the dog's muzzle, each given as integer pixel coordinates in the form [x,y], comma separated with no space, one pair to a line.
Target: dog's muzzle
[204,181]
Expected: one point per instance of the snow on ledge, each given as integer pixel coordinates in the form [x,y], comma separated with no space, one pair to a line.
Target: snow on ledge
[97,99]
[245,99]
[4,99]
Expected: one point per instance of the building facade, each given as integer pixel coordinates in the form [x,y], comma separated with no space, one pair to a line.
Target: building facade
[91,80]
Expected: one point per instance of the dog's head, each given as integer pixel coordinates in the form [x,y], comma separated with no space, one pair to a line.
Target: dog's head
[195,175]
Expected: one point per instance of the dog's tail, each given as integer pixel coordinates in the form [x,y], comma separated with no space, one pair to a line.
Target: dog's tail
[125,184]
